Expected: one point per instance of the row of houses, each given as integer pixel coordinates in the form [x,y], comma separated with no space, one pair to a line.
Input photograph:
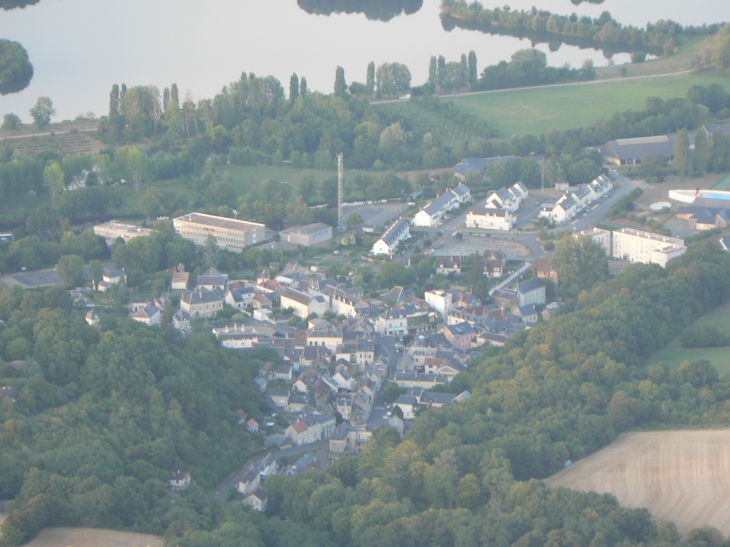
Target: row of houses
[433,214]
[575,199]
[390,240]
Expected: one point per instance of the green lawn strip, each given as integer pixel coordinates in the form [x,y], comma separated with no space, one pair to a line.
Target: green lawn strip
[538,110]
[674,354]
[721,184]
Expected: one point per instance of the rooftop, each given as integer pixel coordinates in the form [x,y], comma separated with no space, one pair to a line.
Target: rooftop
[219,222]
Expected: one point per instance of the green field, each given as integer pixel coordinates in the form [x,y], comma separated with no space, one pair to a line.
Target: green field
[674,354]
[563,107]
[721,184]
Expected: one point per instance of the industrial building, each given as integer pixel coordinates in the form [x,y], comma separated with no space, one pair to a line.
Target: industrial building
[308,235]
[112,230]
[229,233]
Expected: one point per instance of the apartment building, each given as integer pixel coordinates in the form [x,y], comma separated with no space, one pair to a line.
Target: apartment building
[230,234]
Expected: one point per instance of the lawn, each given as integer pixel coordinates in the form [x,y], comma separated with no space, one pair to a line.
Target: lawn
[674,354]
[537,110]
[721,184]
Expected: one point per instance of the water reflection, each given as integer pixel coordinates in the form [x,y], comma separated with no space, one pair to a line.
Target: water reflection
[12,4]
[377,10]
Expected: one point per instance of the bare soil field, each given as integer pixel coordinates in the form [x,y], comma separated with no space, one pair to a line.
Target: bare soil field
[680,476]
[91,537]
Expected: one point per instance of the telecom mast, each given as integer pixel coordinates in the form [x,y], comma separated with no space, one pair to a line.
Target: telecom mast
[340,193]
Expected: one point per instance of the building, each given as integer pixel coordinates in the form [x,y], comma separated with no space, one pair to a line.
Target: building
[489,218]
[710,129]
[433,213]
[632,151]
[494,262]
[303,304]
[257,500]
[531,291]
[439,300]
[649,248]
[113,230]
[505,198]
[392,237]
[179,281]
[392,322]
[203,303]
[236,336]
[230,234]
[150,314]
[179,480]
[460,335]
[111,277]
[308,235]
[477,165]
[602,237]
[448,264]
[212,280]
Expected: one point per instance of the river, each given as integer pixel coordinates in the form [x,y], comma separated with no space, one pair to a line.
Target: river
[79,48]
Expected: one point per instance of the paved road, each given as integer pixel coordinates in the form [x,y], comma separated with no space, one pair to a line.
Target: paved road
[511,278]
[286,452]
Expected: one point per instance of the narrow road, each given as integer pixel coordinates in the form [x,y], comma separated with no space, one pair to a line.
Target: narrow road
[569,84]
[510,279]
[285,453]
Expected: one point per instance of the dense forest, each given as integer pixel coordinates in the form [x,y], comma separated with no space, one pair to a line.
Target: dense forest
[603,33]
[16,70]
[380,10]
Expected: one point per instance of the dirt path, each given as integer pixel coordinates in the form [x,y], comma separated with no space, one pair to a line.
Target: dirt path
[680,476]
[569,84]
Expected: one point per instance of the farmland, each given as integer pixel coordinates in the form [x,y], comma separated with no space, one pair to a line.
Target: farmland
[680,476]
[91,537]
[537,110]
[674,354]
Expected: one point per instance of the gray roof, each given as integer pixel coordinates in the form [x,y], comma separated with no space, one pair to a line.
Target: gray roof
[297,296]
[636,149]
[487,211]
[309,228]
[395,231]
[530,285]
[201,297]
[461,190]
[439,203]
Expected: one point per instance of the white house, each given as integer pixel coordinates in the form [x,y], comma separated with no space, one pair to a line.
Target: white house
[531,291]
[179,480]
[388,243]
[302,303]
[433,213]
[488,218]
[509,199]
[439,300]
[391,322]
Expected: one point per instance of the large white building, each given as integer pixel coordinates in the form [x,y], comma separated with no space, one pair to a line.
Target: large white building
[639,246]
[439,300]
[488,218]
[392,237]
[433,213]
[302,303]
[230,234]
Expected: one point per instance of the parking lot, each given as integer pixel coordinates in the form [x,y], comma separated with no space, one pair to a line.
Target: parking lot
[471,245]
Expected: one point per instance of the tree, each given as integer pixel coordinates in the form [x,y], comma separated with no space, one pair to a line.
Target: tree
[433,73]
[11,122]
[473,71]
[652,166]
[53,178]
[134,163]
[293,87]
[354,220]
[702,152]
[370,78]
[580,263]
[719,151]
[303,89]
[16,70]
[392,392]
[682,159]
[97,272]
[42,112]
[210,252]
[340,84]
[71,269]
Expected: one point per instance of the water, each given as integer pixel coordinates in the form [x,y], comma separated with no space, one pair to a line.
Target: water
[79,48]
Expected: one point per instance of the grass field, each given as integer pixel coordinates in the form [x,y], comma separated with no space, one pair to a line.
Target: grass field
[680,476]
[92,537]
[721,184]
[537,110]
[674,354]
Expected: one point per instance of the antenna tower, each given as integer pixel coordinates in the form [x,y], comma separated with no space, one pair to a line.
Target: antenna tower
[340,193]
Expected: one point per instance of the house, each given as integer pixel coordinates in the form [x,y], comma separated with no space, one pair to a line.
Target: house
[303,304]
[527,313]
[280,397]
[461,335]
[284,372]
[633,151]
[240,298]
[249,482]
[392,322]
[531,292]
[257,500]
[323,333]
[509,199]
[489,218]
[433,213]
[448,264]
[181,320]
[179,480]
[494,262]
[561,211]
[253,426]
[440,301]
[241,415]
[408,405]
[205,303]
[92,318]
[179,281]
[111,277]
[212,280]
[388,243]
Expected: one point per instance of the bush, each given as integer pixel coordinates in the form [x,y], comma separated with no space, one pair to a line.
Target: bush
[703,336]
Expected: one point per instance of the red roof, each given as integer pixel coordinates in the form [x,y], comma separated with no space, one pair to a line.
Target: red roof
[300,427]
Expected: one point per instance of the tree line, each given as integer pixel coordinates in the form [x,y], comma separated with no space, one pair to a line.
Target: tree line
[379,10]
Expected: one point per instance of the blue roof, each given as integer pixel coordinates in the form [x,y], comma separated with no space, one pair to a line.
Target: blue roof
[530,285]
